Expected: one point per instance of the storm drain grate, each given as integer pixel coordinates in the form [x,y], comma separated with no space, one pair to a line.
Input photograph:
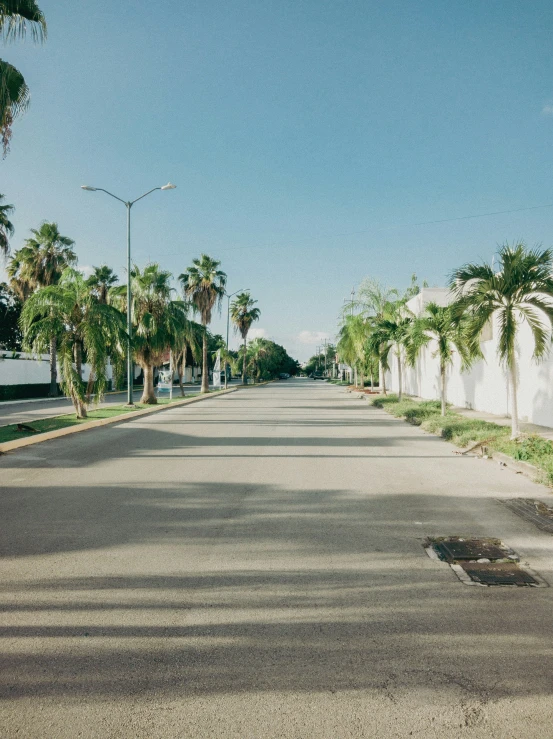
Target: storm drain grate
[535,511]
[459,549]
[498,573]
[483,562]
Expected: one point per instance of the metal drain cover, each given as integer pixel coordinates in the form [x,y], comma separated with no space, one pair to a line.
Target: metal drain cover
[498,573]
[457,549]
[535,511]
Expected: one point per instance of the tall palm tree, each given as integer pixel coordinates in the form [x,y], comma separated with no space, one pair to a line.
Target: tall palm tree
[157,320]
[204,285]
[40,263]
[6,226]
[101,281]
[440,324]
[68,311]
[243,314]
[521,291]
[16,18]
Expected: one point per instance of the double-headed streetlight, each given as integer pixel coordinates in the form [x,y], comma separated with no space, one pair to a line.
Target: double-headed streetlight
[128,204]
[242,289]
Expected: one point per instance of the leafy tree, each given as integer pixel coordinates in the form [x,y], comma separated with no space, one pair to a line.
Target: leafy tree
[157,320]
[10,311]
[69,312]
[204,285]
[440,324]
[16,17]
[101,281]
[6,226]
[521,291]
[243,314]
[40,263]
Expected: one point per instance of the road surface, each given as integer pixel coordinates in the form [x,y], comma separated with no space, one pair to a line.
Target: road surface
[252,567]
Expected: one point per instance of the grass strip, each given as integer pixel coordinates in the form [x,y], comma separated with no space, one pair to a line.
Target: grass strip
[461,430]
[10,433]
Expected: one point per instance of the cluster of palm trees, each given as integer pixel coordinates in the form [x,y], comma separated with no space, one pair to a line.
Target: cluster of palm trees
[76,319]
[378,327]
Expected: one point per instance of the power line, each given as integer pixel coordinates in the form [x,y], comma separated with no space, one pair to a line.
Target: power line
[378,230]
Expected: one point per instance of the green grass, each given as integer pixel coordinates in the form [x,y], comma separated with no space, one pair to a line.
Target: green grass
[461,430]
[10,433]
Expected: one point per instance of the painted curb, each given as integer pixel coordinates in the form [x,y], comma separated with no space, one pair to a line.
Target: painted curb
[10,446]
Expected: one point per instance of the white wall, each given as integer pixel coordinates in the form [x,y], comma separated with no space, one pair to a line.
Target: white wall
[31,371]
[485,386]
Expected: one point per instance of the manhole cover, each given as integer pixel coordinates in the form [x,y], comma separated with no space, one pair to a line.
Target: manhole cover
[498,573]
[457,549]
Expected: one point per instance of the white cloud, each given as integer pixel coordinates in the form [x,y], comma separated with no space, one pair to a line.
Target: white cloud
[312,337]
[547,110]
[257,333]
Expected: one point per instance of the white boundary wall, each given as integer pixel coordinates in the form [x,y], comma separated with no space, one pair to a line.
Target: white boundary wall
[485,386]
[29,370]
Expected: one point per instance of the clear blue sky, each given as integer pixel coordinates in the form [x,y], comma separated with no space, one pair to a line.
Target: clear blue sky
[306,138]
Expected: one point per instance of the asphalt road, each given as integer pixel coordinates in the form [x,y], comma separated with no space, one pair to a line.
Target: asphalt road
[252,566]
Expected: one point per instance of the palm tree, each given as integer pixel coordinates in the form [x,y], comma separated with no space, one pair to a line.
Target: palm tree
[372,300]
[254,354]
[441,325]
[243,314]
[6,227]
[69,312]
[157,320]
[189,340]
[521,291]
[101,281]
[40,263]
[16,18]
[393,330]
[351,344]
[204,285]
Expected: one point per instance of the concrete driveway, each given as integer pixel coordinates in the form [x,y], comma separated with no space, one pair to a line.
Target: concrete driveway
[252,566]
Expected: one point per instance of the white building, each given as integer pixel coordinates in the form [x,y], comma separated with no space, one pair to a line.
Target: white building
[485,386]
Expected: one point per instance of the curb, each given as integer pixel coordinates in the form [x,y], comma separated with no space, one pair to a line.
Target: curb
[10,446]
[517,465]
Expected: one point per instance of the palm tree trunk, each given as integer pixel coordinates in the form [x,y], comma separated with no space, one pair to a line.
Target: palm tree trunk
[53,369]
[372,379]
[444,387]
[515,430]
[399,377]
[78,353]
[148,394]
[205,369]
[244,363]
[361,379]
[355,376]
[381,378]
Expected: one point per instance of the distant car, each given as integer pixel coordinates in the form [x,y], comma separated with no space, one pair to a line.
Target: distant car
[283,376]
[318,376]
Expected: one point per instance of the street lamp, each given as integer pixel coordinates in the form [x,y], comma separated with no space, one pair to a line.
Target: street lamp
[128,204]
[242,289]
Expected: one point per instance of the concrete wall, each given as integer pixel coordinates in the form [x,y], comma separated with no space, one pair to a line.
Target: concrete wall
[31,371]
[485,387]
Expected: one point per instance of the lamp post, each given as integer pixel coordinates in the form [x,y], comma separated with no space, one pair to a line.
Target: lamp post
[243,289]
[128,204]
